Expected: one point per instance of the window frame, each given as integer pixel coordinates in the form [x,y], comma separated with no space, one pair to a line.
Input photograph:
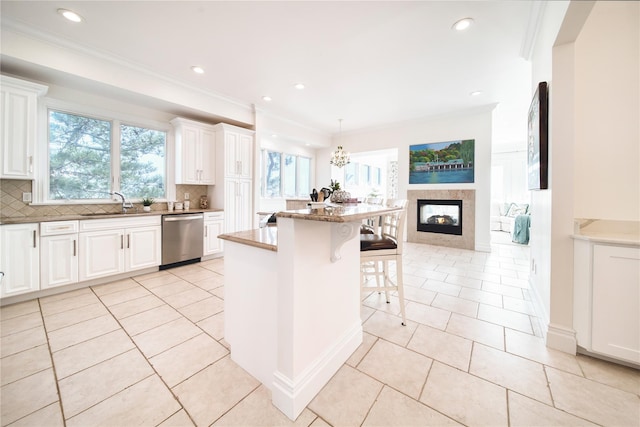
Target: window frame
[40,187]
[263,176]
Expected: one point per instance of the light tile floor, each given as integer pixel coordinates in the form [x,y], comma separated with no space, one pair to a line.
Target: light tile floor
[151,351]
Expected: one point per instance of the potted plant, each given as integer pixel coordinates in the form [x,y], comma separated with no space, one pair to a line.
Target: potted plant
[146,203]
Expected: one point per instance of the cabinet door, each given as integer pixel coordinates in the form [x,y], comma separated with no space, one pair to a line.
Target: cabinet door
[19,259]
[207,157]
[59,260]
[143,247]
[238,205]
[190,156]
[212,229]
[616,302]
[101,254]
[245,156]
[17,134]
[230,210]
[244,206]
[232,166]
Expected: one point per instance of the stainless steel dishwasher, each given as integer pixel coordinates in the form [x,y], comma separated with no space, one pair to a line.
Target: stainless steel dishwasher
[182,238]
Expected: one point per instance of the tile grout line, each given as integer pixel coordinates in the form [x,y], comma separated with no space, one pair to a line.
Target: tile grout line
[53,366]
[153,369]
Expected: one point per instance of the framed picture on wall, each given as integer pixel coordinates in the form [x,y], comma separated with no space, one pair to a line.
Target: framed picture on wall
[538,139]
[442,162]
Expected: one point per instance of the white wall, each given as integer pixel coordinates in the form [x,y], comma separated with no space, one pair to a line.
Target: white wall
[607,151]
[541,207]
[580,129]
[475,124]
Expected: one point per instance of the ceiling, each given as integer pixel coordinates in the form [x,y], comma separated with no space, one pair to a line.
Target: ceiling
[368,63]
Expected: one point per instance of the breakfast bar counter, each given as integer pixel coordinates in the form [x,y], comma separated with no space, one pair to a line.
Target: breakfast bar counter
[292,299]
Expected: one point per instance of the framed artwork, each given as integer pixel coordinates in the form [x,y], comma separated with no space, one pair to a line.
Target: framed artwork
[442,162]
[538,140]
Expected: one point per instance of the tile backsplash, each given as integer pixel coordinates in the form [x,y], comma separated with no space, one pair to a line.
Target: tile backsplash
[12,206]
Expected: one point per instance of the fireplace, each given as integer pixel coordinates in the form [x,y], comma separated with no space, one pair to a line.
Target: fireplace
[440,216]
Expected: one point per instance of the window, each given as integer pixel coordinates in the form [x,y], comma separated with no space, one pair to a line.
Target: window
[79,157]
[142,165]
[272,174]
[285,175]
[290,177]
[90,157]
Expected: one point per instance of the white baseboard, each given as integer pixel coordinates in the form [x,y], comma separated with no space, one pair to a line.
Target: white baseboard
[561,338]
[292,395]
[482,247]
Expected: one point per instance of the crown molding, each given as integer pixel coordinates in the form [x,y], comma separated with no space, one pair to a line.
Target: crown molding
[536,14]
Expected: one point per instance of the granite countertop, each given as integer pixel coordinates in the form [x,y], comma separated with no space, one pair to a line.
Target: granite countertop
[347,212]
[265,238]
[72,217]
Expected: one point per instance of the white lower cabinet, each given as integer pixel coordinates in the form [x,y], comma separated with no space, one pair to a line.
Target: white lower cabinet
[143,247]
[58,253]
[607,299]
[213,227]
[19,259]
[114,246]
[238,205]
[616,302]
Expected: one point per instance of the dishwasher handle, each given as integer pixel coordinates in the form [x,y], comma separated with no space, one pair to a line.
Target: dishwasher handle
[170,218]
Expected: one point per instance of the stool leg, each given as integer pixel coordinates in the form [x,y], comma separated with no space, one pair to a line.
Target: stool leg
[386,280]
[400,285]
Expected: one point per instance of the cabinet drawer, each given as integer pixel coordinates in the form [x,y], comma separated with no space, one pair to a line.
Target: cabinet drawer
[111,223]
[213,216]
[54,228]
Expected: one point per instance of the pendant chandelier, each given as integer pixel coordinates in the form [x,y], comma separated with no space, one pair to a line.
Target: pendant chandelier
[339,158]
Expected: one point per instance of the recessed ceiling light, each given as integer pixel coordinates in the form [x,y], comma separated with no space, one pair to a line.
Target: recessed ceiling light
[70,15]
[197,70]
[266,98]
[476,93]
[299,86]
[462,24]
[274,136]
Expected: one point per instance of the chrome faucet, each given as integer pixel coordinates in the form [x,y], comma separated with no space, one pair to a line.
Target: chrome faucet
[125,205]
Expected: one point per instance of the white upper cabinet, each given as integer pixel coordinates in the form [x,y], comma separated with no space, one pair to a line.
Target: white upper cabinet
[195,152]
[238,155]
[18,127]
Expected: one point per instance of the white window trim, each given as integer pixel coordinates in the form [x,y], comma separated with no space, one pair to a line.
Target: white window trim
[40,186]
[263,176]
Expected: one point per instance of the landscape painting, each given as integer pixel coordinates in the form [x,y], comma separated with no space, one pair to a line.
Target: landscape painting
[442,162]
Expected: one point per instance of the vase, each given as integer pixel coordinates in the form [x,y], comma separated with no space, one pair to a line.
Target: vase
[339,196]
[146,208]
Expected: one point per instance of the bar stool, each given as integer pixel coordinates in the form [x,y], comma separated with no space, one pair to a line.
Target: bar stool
[379,249]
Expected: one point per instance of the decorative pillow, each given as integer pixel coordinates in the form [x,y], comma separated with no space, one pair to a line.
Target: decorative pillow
[516,210]
[504,208]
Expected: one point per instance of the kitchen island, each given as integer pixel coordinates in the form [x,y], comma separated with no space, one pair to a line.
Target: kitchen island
[292,299]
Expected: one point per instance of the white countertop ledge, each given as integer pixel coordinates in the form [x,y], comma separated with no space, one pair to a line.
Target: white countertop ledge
[607,231]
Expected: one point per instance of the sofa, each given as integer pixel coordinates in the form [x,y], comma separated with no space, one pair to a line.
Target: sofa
[503,215]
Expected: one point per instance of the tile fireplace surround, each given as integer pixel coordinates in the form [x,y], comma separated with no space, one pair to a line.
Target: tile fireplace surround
[468,238]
